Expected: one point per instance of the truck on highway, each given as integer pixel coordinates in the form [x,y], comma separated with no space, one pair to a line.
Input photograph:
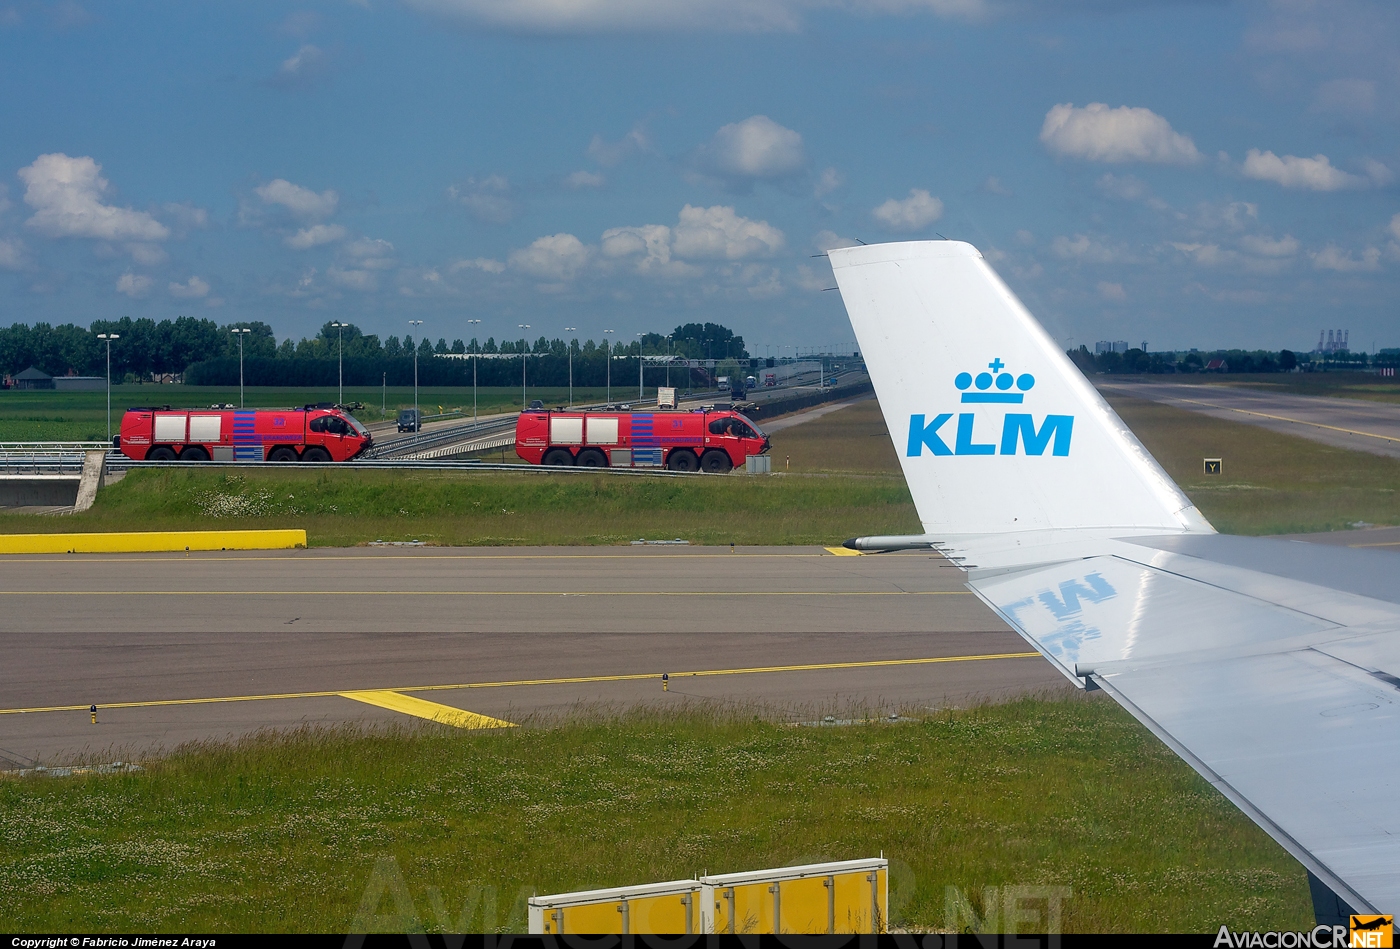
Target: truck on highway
[770,378]
[321,432]
[709,439]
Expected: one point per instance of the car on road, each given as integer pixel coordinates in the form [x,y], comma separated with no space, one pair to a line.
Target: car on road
[410,420]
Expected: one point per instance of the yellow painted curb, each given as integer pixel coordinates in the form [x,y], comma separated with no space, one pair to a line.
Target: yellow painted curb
[843,552]
[150,541]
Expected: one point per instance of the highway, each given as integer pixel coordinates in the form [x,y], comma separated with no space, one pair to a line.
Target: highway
[1372,427]
[179,647]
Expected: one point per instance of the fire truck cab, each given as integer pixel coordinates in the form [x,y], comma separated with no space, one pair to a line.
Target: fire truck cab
[713,440]
[317,433]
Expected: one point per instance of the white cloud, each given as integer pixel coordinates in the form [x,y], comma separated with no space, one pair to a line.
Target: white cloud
[585,179]
[1285,246]
[1113,292]
[66,195]
[147,254]
[556,257]
[192,289]
[371,253]
[1125,187]
[609,154]
[756,148]
[993,185]
[1290,171]
[1395,227]
[915,212]
[12,255]
[361,280]
[314,236]
[1207,255]
[828,181]
[717,233]
[4,198]
[485,264]
[1082,248]
[1379,174]
[302,68]
[825,240]
[133,285]
[1098,133]
[1333,257]
[186,216]
[303,203]
[650,242]
[486,199]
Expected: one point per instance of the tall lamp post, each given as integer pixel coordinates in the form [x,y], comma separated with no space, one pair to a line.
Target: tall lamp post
[641,391]
[474,362]
[340,352]
[107,338]
[417,419]
[240,332]
[524,357]
[570,344]
[607,352]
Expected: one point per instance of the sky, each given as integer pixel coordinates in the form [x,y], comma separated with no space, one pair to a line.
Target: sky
[1207,175]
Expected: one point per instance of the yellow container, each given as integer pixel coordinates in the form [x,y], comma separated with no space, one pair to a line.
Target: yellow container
[672,907]
[850,896]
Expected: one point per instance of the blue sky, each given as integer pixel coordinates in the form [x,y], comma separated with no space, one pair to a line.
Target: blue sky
[1189,174]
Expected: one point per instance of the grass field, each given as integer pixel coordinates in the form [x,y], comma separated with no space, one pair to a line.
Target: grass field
[55,416]
[452,830]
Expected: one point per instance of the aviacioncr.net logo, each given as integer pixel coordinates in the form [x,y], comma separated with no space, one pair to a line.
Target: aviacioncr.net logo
[1018,429]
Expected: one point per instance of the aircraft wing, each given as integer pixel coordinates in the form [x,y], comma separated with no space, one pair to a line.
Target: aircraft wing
[1272,668]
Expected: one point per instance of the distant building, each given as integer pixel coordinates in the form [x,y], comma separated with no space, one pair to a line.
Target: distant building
[1106,346]
[33,378]
[1217,365]
[79,383]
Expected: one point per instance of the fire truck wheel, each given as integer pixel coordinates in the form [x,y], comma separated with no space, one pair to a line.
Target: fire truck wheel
[282,454]
[716,461]
[160,453]
[558,456]
[315,454]
[682,459]
[592,458]
[194,453]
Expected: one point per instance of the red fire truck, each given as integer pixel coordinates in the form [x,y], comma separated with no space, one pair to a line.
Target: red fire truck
[321,432]
[707,439]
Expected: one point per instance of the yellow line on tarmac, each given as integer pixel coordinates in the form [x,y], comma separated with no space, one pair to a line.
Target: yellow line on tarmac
[728,594]
[843,552]
[511,683]
[1285,418]
[304,558]
[422,708]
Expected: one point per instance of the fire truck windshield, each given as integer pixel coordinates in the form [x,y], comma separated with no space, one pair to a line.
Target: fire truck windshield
[355,424]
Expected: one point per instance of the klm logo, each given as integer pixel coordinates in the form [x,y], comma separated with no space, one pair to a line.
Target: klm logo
[1018,429]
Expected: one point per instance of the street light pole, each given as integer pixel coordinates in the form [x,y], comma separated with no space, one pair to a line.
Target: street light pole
[641,392]
[607,353]
[570,344]
[524,357]
[474,362]
[417,419]
[240,333]
[340,351]
[108,337]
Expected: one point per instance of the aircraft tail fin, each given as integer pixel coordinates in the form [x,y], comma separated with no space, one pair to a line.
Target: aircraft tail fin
[996,429]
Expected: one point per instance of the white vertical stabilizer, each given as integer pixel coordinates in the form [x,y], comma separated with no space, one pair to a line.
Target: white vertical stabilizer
[996,429]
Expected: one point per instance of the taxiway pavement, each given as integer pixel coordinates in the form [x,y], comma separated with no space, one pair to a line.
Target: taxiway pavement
[175,647]
[1372,427]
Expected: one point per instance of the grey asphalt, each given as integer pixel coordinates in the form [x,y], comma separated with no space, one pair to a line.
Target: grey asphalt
[1372,427]
[141,628]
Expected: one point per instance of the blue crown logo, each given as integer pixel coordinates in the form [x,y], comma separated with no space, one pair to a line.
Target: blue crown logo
[996,379]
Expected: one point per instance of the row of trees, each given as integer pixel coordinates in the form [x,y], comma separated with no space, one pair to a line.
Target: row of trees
[204,350]
[1229,360]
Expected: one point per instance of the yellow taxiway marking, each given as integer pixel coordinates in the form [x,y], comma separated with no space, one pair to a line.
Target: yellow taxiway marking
[843,551]
[728,594]
[512,683]
[422,708]
[331,557]
[1285,418]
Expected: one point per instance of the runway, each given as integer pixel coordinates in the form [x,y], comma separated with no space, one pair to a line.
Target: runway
[1372,427]
[173,648]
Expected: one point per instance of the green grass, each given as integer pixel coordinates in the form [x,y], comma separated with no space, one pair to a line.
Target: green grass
[338,507]
[1272,483]
[1068,793]
[55,416]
